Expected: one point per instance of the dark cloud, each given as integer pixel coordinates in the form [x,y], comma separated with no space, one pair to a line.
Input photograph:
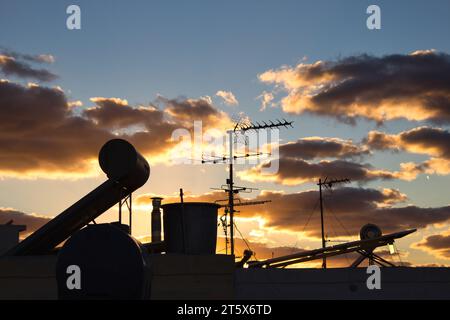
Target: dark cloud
[11,66]
[33,222]
[352,207]
[40,132]
[425,140]
[37,58]
[188,110]
[413,86]
[296,171]
[114,113]
[438,245]
[347,209]
[317,147]
[292,167]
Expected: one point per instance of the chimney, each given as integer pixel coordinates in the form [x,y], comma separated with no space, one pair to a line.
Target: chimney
[156,219]
[9,236]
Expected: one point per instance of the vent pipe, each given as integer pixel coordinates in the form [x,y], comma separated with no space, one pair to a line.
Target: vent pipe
[156,219]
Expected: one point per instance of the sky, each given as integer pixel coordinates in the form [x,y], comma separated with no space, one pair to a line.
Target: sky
[371,105]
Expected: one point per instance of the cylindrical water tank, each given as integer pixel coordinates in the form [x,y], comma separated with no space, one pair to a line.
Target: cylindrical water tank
[122,163]
[103,261]
[127,171]
[190,227]
[370,231]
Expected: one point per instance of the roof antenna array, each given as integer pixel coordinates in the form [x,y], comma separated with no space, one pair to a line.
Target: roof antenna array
[240,127]
[257,126]
[328,184]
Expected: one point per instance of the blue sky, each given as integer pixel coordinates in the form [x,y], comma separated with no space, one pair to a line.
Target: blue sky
[136,50]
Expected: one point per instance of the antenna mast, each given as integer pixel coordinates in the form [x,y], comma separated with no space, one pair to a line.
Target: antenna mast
[231,189]
[327,184]
[243,128]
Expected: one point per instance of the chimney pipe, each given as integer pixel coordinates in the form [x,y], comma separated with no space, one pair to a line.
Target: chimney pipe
[156,219]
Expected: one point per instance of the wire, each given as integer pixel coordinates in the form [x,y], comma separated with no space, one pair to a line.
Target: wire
[340,223]
[335,234]
[306,224]
[245,241]
[337,219]
[310,215]
[398,254]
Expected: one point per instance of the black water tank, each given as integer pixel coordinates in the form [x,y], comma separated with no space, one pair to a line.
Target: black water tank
[370,231]
[121,162]
[191,227]
[113,265]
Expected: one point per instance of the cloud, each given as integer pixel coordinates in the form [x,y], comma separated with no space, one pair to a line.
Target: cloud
[398,86]
[438,166]
[318,147]
[347,209]
[40,135]
[145,199]
[293,167]
[294,171]
[262,250]
[434,142]
[32,221]
[10,66]
[228,97]
[38,58]
[116,113]
[437,245]
[266,100]
[38,132]
[423,140]
[185,111]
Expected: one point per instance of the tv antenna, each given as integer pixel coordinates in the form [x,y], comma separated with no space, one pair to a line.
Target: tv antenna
[328,184]
[241,127]
[223,218]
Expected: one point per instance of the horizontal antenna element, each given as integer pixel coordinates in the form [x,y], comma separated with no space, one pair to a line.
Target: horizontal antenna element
[258,126]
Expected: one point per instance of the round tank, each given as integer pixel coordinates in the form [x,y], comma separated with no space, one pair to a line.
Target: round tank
[370,231]
[110,264]
[190,228]
[121,162]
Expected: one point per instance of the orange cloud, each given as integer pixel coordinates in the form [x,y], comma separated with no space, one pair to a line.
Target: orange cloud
[31,221]
[228,97]
[423,140]
[42,136]
[353,207]
[412,87]
[437,245]
[294,171]
[10,66]
[322,147]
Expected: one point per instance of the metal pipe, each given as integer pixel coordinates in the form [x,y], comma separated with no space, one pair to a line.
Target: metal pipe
[156,219]
[324,261]
[302,256]
[231,194]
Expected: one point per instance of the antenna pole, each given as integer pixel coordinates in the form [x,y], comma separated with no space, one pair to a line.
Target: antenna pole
[328,184]
[231,191]
[231,194]
[324,263]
